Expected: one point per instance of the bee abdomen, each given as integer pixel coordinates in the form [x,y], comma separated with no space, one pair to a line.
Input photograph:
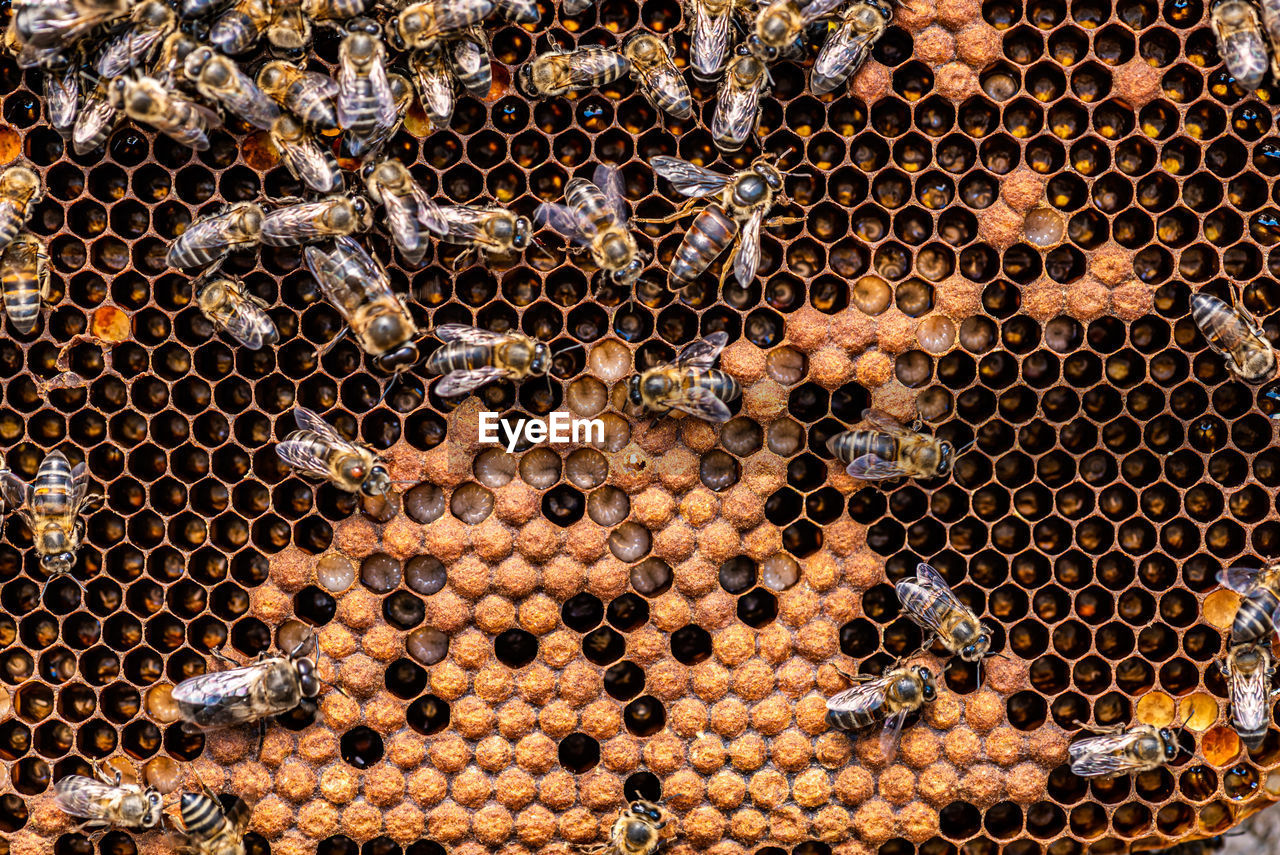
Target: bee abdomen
[1253,618]
[22,299]
[201,815]
[851,445]
[708,236]
[1252,737]
[11,222]
[459,356]
[721,385]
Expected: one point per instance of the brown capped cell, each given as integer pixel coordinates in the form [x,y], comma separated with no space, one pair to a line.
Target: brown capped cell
[405,824]
[492,825]
[1132,301]
[919,746]
[557,719]
[707,753]
[748,825]
[384,786]
[854,785]
[318,819]
[471,789]
[977,42]
[1043,300]
[621,754]
[962,746]
[354,537]
[294,781]
[937,784]
[873,822]
[647,645]
[726,790]
[703,826]
[842,605]
[792,751]
[830,367]
[657,439]
[897,784]
[833,749]
[982,785]
[764,401]
[535,826]
[1087,299]
[558,790]
[797,607]
[1004,745]
[983,710]
[699,506]
[448,681]
[916,16]
[918,822]
[956,81]
[698,436]
[402,538]
[682,790]
[667,680]
[516,503]
[1001,226]
[514,788]
[652,507]
[271,817]
[1048,745]
[1026,783]
[873,368]
[812,788]
[762,542]
[536,684]
[775,648]
[769,789]
[492,541]
[359,609]
[677,469]
[944,713]
[602,719]
[664,753]
[711,682]
[495,614]
[450,754]
[426,786]
[227,746]
[742,506]
[271,605]
[935,45]
[872,82]
[516,719]
[807,327]
[448,823]
[748,753]
[580,825]
[744,361]
[406,749]
[1022,189]
[753,680]
[535,753]
[318,746]
[818,640]
[1136,82]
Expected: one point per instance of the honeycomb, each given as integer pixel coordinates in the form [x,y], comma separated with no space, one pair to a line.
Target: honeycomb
[1004,217]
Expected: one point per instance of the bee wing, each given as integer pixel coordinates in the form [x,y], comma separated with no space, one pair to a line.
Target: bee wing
[841,55]
[17,493]
[688,179]
[859,698]
[221,699]
[609,180]
[464,224]
[562,219]
[1250,693]
[868,467]
[309,162]
[421,210]
[298,452]
[294,224]
[1103,755]
[309,420]
[701,402]
[881,420]
[890,732]
[83,797]
[470,335]
[348,276]
[935,591]
[747,259]
[463,382]
[1239,579]
[62,96]
[79,484]
[816,9]
[250,326]
[702,353]
[246,100]
[710,40]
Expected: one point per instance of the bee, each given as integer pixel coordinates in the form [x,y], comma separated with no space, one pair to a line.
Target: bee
[636,831]
[575,7]
[306,94]
[290,27]
[199,8]
[1249,669]
[147,100]
[173,52]
[316,449]
[308,222]
[737,112]
[930,602]
[1256,618]
[411,214]
[560,71]
[51,506]
[1240,42]
[358,288]
[431,71]
[152,22]
[230,307]
[1123,751]
[890,450]
[486,230]
[96,120]
[241,27]
[214,237]
[20,192]
[24,279]
[62,99]
[472,357]
[861,26]
[107,802]
[41,31]
[689,384]
[307,160]
[1271,22]
[332,10]
[655,71]
[364,93]
[710,23]
[419,25]
[221,81]
[469,60]
[890,698]
[402,97]
[735,217]
[1236,334]
[519,11]
[244,694]
[595,217]
[211,829]
[780,25]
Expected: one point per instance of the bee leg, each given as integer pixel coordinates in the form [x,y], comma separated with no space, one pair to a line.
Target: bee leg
[217,653]
[458,260]
[782,221]
[332,342]
[680,212]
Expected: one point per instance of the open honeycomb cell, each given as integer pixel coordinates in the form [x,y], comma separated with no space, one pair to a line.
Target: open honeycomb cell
[1004,216]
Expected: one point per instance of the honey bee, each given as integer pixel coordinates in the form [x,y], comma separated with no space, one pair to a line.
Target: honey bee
[306,94]
[358,288]
[42,31]
[221,81]
[1123,751]
[596,219]
[308,222]
[1256,618]
[930,602]
[95,121]
[737,113]
[173,52]
[472,357]
[1240,41]
[151,23]
[861,26]
[1271,22]
[20,191]
[332,10]
[655,71]
[419,25]
[106,802]
[247,693]
[735,217]
[411,215]
[230,307]
[210,829]
[51,506]
[689,384]
[306,159]
[711,22]
[24,279]
[364,93]
[62,99]
[431,72]
[486,230]
[1235,333]
[241,27]
[890,450]
[519,11]
[402,97]
[147,100]
[316,449]
[214,237]
[780,24]
[890,698]
[560,71]
[199,8]
[636,831]
[1249,669]
[290,27]
[469,59]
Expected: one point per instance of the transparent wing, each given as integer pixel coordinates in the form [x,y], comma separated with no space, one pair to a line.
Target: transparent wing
[701,402]
[79,484]
[17,493]
[248,102]
[464,224]
[889,734]
[380,85]
[928,597]
[747,259]
[463,382]
[82,797]
[1103,755]
[309,162]
[816,9]
[609,180]
[710,40]
[688,179]
[295,224]
[702,353]
[248,325]
[841,56]
[308,420]
[1250,694]
[470,335]
[221,699]
[300,451]
[410,216]
[868,467]
[562,219]
[863,697]
[1239,579]
[881,420]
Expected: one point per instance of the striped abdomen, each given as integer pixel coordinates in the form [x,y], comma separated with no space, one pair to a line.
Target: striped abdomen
[460,356]
[720,384]
[22,284]
[202,817]
[709,235]
[306,100]
[867,714]
[51,490]
[852,444]
[12,219]
[1253,619]
[590,203]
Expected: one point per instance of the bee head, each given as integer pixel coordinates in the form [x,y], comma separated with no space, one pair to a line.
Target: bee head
[523,233]
[979,647]
[1171,747]
[307,677]
[770,174]
[757,45]
[364,213]
[627,275]
[946,457]
[395,37]
[646,809]
[541,363]
[196,61]
[154,804]
[57,563]
[378,483]
[927,688]
[633,390]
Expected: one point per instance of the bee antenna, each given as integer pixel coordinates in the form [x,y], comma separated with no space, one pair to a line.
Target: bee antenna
[963,449]
[571,346]
[335,687]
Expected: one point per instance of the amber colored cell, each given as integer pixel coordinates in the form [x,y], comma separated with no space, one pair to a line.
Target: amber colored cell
[1155,708]
[1198,711]
[1220,745]
[1219,608]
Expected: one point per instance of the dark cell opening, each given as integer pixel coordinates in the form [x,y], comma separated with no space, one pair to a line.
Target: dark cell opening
[515,647]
